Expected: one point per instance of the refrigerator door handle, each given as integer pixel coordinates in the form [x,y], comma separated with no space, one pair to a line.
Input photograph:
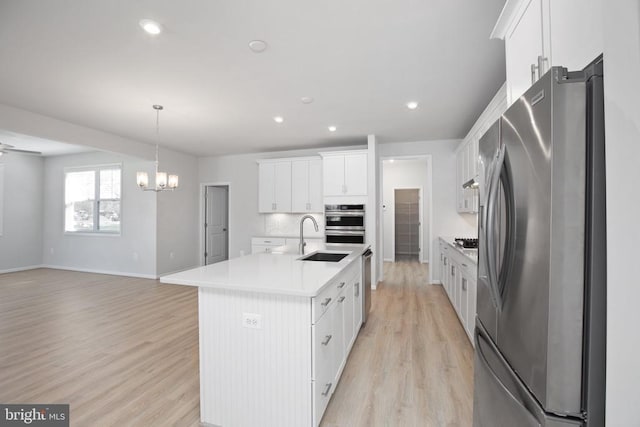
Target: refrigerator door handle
[478,337]
[490,244]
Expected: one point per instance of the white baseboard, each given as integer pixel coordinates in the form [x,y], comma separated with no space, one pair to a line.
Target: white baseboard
[109,272]
[388,259]
[25,268]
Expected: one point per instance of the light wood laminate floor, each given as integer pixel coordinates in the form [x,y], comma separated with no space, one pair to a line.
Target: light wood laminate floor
[412,364]
[124,351]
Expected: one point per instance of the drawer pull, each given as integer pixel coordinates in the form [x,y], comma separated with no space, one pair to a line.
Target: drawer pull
[325,302]
[341,299]
[341,285]
[464,265]
[327,339]
[327,388]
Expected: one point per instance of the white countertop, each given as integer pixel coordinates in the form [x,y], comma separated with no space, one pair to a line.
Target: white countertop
[271,273]
[471,254]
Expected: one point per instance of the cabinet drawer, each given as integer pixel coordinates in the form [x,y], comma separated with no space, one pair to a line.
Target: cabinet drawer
[268,241]
[325,339]
[322,391]
[321,304]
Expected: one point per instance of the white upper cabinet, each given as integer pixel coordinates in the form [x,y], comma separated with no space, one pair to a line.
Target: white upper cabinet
[524,49]
[290,185]
[467,153]
[539,34]
[274,186]
[306,185]
[345,173]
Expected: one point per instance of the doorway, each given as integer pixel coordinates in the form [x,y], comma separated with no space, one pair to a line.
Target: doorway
[407,224]
[216,223]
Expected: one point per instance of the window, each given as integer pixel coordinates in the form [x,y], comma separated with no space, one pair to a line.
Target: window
[92,200]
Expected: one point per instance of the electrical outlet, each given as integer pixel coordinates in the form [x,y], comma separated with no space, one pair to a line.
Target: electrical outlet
[252,320]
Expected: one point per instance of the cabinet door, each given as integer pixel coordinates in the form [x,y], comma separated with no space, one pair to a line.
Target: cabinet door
[333,175]
[300,181]
[576,32]
[282,191]
[471,311]
[347,321]
[266,187]
[337,317]
[464,304]
[355,170]
[459,180]
[523,45]
[357,306]
[315,186]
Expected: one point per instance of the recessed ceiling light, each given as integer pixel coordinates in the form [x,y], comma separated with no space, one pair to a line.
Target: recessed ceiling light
[151,27]
[391,160]
[278,119]
[258,46]
[306,100]
[412,105]
[332,128]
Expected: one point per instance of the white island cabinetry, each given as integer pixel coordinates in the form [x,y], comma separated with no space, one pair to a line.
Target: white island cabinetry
[275,334]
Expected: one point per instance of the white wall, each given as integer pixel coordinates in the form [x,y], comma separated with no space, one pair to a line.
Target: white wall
[409,173]
[622,122]
[374,209]
[27,123]
[241,173]
[21,237]
[446,221]
[131,253]
[177,215]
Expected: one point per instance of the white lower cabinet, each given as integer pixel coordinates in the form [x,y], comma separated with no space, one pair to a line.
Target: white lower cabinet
[337,317]
[458,275]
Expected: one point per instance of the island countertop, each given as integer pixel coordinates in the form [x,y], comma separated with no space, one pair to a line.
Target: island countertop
[271,273]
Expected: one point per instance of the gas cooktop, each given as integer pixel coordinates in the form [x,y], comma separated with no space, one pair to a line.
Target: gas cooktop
[466,243]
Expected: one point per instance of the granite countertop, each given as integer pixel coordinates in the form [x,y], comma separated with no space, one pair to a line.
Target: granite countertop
[280,273]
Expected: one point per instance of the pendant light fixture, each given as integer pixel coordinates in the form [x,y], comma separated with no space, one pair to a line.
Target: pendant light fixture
[162,182]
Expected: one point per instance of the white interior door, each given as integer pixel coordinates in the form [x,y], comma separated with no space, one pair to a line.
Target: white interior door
[216,224]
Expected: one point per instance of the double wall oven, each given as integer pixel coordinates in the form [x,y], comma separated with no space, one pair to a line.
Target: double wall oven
[344,224]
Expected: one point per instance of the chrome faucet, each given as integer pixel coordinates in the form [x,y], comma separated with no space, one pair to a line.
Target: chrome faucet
[302,243]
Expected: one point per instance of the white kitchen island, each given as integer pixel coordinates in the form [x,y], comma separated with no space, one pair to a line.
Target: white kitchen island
[275,333]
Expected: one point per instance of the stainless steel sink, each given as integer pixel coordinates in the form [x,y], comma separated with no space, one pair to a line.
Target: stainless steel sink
[325,256]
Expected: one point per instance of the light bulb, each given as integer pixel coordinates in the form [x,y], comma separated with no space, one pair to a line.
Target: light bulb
[142,179]
[161,179]
[173,181]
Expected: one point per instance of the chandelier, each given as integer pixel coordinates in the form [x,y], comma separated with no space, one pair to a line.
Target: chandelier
[162,182]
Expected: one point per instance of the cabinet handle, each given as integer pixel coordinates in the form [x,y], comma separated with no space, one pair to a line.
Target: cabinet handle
[344,189]
[445,261]
[341,285]
[327,388]
[539,68]
[267,241]
[464,284]
[273,206]
[357,289]
[453,270]
[326,302]
[267,250]
[327,339]
[341,299]
[464,265]
[308,206]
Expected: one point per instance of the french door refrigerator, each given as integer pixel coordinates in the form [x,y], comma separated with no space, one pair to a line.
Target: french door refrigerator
[540,326]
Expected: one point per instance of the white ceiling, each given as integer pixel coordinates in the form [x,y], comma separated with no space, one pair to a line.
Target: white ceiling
[45,146]
[88,62]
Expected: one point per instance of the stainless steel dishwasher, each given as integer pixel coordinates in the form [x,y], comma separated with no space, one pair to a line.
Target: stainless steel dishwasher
[366,282]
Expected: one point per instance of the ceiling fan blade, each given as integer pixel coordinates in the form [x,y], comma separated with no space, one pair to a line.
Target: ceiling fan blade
[15,150]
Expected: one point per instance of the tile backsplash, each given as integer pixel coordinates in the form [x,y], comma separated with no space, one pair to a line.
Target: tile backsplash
[288,225]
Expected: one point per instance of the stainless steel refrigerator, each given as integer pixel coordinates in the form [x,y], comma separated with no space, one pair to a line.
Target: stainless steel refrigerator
[540,328]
